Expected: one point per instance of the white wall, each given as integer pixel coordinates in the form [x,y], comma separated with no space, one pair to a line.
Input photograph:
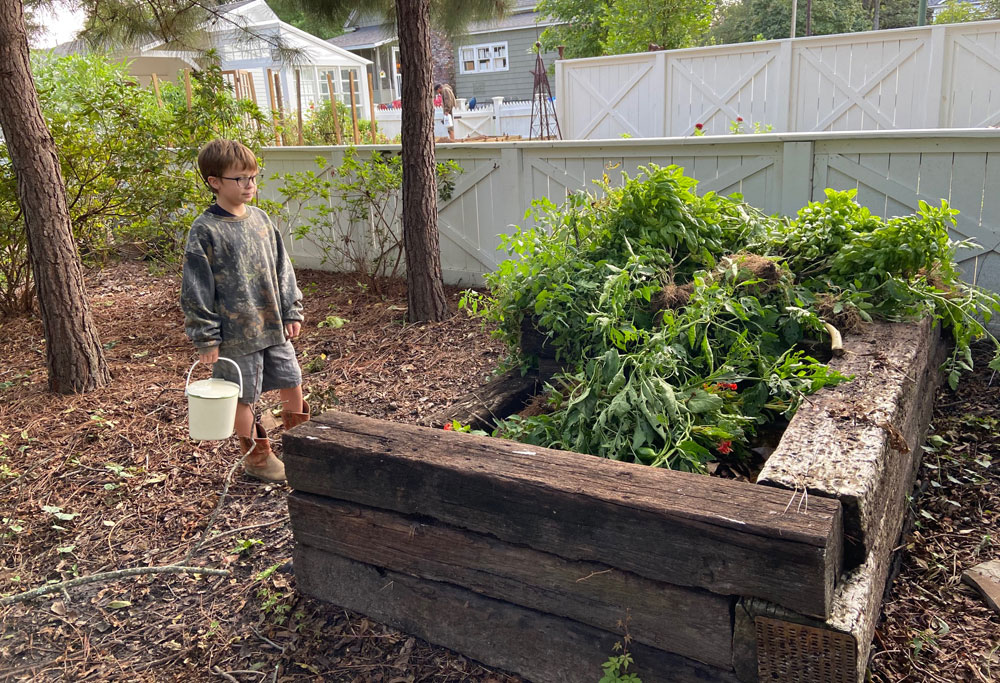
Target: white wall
[778,173]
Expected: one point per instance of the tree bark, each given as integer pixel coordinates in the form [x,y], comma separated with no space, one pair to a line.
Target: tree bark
[73,351]
[424,288]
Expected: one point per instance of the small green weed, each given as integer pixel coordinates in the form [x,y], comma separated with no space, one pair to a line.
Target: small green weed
[314,364]
[333,322]
[244,546]
[616,668]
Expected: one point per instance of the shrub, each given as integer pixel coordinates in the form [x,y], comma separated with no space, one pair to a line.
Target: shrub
[127,163]
[351,214]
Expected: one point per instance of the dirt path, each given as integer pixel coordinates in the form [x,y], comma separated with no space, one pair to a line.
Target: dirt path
[109,480]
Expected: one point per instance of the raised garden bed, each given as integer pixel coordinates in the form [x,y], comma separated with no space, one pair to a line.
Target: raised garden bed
[538,561]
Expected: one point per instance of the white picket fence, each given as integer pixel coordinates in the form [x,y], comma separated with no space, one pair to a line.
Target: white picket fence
[492,118]
[945,76]
[779,173]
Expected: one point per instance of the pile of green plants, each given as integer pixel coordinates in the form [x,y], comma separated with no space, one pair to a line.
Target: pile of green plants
[686,323]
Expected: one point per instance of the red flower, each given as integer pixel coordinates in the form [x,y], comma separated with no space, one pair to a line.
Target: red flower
[739,119]
[699,126]
[733,387]
[725,447]
[448,427]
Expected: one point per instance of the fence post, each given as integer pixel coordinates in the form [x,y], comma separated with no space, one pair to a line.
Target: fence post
[509,186]
[784,87]
[662,77]
[938,87]
[796,176]
[562,94]
[497,108]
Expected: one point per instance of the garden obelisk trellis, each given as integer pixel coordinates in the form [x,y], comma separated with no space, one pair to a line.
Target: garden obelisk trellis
[544,123]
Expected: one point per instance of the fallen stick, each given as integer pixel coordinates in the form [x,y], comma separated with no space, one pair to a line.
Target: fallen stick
[107,576]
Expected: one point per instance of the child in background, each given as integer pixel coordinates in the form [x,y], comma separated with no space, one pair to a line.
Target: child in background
[240,300]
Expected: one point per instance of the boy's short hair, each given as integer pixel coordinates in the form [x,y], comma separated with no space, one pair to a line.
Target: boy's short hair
[437,86]
[219,155]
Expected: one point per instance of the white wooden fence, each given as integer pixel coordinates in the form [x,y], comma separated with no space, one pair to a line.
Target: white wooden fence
[945,76]
[778,173]
[490,118]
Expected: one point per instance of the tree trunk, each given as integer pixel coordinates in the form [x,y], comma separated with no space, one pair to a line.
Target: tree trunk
[73,350]
[424,288]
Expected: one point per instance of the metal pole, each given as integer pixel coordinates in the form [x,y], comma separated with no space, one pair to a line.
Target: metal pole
[922,13]
[795,7]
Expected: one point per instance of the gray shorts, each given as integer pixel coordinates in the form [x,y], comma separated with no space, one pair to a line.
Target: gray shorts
[272,368]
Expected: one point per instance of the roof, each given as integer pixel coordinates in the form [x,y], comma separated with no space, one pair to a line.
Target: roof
[230,6]
[513,20]
[365,37]
[522,15]
[70,47]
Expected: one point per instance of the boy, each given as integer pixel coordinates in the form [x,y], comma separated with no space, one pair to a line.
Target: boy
[240,300]
[448,103]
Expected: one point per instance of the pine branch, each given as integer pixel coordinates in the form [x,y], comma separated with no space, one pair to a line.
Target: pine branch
[107,576]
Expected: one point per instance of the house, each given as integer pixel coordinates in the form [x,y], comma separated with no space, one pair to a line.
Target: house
[493,58]
[261,55]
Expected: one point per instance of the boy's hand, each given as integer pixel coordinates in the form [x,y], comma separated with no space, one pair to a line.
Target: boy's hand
[208,355]
[292,329]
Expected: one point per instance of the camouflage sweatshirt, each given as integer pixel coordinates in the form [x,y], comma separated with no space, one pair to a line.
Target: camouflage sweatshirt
[238,287]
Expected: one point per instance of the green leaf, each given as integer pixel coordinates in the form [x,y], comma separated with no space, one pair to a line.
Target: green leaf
[703,402]
[695,449]
[119,604]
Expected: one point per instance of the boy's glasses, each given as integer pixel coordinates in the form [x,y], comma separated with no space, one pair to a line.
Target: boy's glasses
[243,180]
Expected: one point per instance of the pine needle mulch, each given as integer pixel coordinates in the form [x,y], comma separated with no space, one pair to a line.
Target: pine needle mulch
[935,627]
[109,480]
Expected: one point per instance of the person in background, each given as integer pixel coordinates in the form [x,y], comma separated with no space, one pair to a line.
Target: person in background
[447,107]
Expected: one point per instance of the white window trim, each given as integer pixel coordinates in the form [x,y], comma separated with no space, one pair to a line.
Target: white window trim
[491,50]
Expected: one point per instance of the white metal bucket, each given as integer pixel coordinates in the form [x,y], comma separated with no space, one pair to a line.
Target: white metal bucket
[212,405]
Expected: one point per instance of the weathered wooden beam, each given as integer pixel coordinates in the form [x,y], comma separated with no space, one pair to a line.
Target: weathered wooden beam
[860,441]
[896,375]
[728,537]
[540,647]
[690,622]
[497,399]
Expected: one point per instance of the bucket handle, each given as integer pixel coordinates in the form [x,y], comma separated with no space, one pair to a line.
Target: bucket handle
[238,372]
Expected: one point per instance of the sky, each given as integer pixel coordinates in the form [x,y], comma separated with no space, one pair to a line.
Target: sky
[61,24]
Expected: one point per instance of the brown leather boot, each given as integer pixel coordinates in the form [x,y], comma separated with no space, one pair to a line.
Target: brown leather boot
[261,462]
[292,419]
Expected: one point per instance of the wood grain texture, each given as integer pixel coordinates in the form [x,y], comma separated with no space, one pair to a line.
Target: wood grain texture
[537,646]
[859,441]
[690,622]
[728,537]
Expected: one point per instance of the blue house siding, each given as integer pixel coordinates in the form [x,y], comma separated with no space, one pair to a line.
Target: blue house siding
[516,83]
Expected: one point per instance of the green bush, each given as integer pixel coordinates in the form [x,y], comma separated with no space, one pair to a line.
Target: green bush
[351,214]
[129,165]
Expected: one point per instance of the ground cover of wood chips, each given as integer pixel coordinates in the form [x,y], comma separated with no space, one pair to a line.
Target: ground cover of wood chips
[109,480]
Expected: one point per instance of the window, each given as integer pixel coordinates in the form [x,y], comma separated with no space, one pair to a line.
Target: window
[484,58]
[324,84]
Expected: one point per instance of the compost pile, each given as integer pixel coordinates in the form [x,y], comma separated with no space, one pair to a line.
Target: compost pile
[685,324]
